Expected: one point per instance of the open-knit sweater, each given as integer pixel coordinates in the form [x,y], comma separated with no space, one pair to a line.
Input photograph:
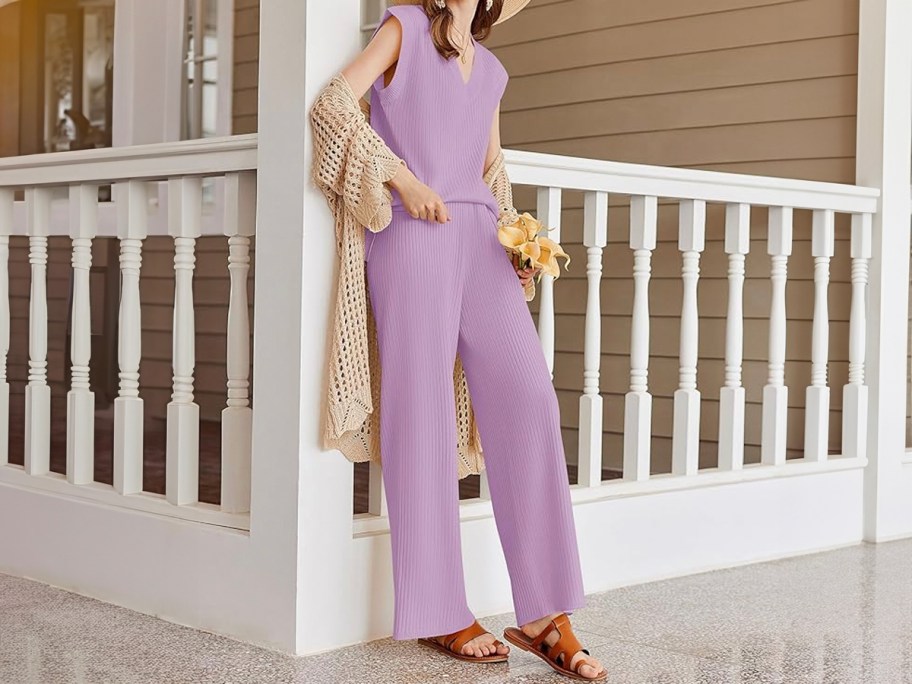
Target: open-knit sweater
[351,165]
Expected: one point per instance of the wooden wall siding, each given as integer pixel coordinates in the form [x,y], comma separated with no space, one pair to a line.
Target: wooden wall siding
[748,86]
[246,64]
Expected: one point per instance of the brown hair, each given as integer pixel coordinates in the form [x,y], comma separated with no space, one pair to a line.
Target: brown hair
[442,19]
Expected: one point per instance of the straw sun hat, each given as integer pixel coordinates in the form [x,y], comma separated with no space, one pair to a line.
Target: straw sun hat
[510,7]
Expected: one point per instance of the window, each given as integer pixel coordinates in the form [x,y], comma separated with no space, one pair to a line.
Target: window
[55,75]
[208,45]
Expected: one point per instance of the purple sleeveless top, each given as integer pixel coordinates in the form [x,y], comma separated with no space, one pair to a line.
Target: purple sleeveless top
[431,118]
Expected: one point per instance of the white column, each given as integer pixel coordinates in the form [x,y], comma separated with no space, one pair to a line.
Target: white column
[595,237]
[775,393]
[37,391]
[237,416]
[301,495]
[148,52]
[731,396]
[686,439]
[549,213]
[6,229]
[884,148]
[80,467]
[132,222]
[855,393]
[185,214]
[638,401]
[817,395]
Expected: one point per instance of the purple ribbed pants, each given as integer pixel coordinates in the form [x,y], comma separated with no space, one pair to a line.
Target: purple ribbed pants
[436,289]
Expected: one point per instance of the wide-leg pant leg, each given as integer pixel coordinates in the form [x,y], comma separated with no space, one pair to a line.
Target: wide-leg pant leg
[519,423]
[414,279]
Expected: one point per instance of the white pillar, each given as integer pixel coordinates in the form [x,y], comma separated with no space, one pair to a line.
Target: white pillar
[80,466]
[884,148]
[638,401]
[731,396]
[817,394]
[37,391]
[6,229]
[132,224]
[595,237]
[237,416]
[148,52]
[185,214]
[301,496]
[686,436]
[549,213]
[775,392]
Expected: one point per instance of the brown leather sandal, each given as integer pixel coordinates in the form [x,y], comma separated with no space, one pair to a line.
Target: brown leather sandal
[453,643]
[559,654]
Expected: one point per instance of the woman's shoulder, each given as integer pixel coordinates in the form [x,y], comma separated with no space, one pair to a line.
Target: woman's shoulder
[414,15]
[501,76]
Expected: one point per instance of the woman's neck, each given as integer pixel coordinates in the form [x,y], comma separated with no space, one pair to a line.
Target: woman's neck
[463,13]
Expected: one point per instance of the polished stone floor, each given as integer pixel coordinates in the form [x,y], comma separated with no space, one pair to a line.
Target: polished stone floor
[841,617]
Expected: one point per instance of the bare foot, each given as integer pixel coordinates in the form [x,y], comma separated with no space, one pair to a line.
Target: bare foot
[482,645]
[591,666]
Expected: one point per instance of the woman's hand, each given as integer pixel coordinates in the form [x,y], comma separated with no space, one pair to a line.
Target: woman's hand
[525,274]
[417,198]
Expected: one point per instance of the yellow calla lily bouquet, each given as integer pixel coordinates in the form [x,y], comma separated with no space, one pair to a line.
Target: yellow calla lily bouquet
[525,239]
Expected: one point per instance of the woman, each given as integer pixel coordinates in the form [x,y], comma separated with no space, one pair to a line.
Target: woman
[441,283]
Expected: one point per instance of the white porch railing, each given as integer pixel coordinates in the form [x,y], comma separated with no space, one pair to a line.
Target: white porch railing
[692,191]
[158,190]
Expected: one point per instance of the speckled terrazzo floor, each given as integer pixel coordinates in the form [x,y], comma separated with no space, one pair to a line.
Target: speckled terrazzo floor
[842,617]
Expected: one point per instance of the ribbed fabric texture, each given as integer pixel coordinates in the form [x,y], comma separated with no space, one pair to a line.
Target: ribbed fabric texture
[438,289]
[431,118]
[441,289]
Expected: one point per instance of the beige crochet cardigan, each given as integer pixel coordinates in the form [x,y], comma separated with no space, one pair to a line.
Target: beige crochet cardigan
[351,165]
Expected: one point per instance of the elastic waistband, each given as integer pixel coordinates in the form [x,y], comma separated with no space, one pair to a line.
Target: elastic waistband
[399,207]
[493,212]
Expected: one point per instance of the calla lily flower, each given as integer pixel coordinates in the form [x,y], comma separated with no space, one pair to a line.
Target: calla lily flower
[524,237]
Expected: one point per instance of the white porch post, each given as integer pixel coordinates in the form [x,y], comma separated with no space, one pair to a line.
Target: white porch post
[301,497]
[883,153]
[148,42]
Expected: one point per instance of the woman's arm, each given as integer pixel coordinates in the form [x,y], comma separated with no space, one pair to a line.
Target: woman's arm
[378,57]
[380,54]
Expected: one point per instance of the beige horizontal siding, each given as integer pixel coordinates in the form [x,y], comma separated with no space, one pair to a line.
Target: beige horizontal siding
[246,64]
[763,87]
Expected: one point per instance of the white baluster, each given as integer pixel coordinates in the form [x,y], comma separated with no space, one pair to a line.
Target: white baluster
[37,391]
[638,401]
[132,224]
[237,416]
[686,441]
[6,229]
[775,393]
[731,396]
[855,393]
[549,213]
[595,237]
[817,395]
[185,215]
[80,467]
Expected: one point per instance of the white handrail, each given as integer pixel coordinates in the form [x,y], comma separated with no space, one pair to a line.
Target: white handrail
[575,173]
[157,161]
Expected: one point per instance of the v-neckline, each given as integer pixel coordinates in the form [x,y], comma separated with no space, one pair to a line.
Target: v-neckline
[466,82]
